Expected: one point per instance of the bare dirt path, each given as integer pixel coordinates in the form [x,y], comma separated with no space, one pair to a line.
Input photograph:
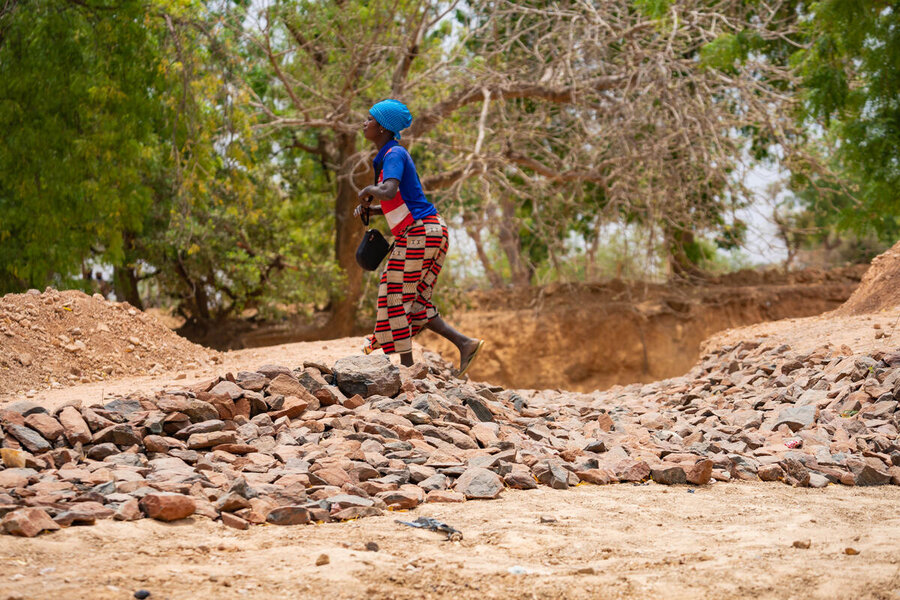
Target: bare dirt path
[622,541]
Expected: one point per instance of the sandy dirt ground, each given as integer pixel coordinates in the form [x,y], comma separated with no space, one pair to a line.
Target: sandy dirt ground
[804,335]
[622,541]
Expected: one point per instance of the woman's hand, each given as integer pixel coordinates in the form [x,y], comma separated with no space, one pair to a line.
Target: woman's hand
[365,201]
[365,194]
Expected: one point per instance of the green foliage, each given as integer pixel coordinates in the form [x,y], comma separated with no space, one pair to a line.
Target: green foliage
[127,144]
[655,9]
[851,79]
[79,137]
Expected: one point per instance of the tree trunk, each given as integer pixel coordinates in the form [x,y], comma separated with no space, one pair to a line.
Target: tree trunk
[680,265]
[125,285]
[493,276]
[508,232]
[348,232]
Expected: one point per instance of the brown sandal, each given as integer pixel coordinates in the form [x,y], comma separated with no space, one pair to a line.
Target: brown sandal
[464,368]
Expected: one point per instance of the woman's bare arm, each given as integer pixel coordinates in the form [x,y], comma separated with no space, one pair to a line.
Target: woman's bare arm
[383,191]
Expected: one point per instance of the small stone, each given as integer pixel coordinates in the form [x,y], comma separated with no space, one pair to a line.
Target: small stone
[168,507]
[795,473]
[31,439]
[367,376]
[129,511]
[444,496]
[234,521]
[817,480]
[372,547]
[700,472]
[213,438]
[520,480]
[548,519]
[851,551]
[356,512]
[770,472]
[141,594]
[551,474]
[595,476]
[27,522]
[802,544]
[477,482]
[12,458]
[668,475]
[44,424]
[401,499]
[322,560]
[288,515]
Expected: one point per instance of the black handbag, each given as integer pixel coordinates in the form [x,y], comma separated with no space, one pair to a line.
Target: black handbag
[373,247]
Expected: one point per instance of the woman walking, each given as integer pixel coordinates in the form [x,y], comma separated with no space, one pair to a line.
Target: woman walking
[420,244]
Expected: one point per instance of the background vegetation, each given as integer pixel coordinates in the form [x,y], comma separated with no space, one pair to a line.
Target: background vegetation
[206,154]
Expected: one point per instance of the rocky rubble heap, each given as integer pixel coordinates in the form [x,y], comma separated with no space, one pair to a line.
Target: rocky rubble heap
[316,443]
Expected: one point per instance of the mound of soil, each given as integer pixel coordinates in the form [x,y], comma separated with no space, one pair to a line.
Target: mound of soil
[58,338]
[880,287]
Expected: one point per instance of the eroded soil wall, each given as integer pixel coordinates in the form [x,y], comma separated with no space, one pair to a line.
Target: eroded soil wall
[589,337]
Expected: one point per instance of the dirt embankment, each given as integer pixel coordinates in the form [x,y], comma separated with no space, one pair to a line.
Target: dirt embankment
[587,337]
[880,286]
[52,339]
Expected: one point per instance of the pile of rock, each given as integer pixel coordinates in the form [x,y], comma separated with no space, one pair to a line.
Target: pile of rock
[316,443]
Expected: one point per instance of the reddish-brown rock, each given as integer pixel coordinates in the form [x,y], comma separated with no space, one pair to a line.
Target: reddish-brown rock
[700,472]
[168,507]
[44,424]
[27,522]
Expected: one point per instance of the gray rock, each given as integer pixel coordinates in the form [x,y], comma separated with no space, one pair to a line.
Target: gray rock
[668,475]
[817,480]
[202,427]
[232,390]
[101,451]
[123,406]
[367,376]
[479,483]
[552,474]
[199,411]
[251,381]
[29,438]
[435,482]
[25,407]
[273,371]
[796,417]
[240,486]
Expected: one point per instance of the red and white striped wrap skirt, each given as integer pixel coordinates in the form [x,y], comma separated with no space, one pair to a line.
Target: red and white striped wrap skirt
[407,282]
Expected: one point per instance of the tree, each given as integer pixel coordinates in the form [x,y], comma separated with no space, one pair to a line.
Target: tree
[523,103]
[79,139]
[851,77]
[127,144]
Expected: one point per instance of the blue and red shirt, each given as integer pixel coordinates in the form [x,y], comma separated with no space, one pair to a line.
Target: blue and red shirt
[410,203]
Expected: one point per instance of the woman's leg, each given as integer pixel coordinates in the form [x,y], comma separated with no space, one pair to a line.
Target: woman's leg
[467,346]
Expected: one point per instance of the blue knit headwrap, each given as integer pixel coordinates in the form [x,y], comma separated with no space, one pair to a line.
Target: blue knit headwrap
[392,115]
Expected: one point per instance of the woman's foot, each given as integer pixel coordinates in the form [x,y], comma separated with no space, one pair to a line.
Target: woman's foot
[467,353]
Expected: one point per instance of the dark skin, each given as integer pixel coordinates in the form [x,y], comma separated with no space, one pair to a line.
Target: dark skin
[379,136]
